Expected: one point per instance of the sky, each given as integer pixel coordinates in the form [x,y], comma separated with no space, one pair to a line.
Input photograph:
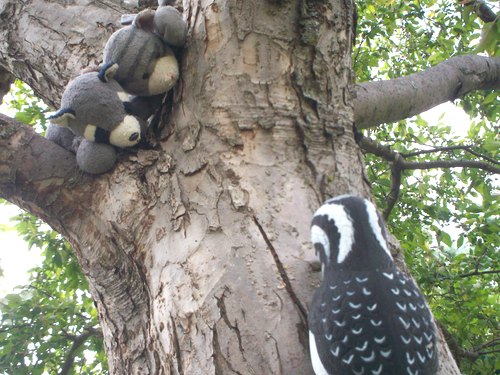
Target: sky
[16,260]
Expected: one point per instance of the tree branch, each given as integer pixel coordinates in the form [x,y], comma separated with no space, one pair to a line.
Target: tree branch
[385,152]
[483,11]
[469,274]
[77,342]
[451,164]
[38,175]
[399,164]
[396,176]
[472,355]
[380,102]
[451,148]
[489,344]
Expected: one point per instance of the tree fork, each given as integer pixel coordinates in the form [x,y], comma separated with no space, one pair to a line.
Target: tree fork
[262,127]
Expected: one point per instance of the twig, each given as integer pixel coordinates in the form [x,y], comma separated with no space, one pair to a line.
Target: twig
[451,148]
[494,342]
[393,196]
[451,164]
[399,164]
[77,342]
[469,274]
[478,273]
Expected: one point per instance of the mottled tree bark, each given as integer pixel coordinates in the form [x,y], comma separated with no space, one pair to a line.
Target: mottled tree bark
[6,79]
[197,252]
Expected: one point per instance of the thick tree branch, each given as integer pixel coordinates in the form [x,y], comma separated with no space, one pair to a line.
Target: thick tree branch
[380,102]
[36,174]
[483,11]
[43,178]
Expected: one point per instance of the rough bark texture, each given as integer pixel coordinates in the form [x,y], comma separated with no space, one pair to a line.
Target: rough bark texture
[5,81]
[380,102]
[197,252]
[48,42]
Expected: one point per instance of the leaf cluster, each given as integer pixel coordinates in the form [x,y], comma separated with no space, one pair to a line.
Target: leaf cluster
[50,325]
[398,38]
[446,220]
[28,108]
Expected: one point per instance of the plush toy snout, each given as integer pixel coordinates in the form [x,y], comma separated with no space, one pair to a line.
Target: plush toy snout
[127,133]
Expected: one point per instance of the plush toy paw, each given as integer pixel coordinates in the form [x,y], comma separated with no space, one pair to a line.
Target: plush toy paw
[95,158]
[91,157]
[61,136]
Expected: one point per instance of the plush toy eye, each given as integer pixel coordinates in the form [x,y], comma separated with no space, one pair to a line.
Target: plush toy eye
[134,137]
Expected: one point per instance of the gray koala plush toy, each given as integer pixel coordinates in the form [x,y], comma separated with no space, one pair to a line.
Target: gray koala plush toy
[146,62]
[96,114]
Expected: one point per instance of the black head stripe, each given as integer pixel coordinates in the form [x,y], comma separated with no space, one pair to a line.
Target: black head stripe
[102,71]
[61,113]
[101,135]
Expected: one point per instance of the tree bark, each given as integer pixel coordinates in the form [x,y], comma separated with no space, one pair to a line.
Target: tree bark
[6,79]
[380,102]
[197,252]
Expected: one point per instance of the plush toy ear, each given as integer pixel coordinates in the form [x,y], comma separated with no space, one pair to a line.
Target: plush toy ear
[162,3]
[145,20]
[62,117]
[107,71]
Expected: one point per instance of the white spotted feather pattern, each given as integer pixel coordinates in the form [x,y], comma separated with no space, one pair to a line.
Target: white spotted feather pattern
[366,317]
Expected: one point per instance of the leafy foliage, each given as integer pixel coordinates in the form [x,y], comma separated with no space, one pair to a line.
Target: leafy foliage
[49,326]
[51,321]
[27,106]
[446,220]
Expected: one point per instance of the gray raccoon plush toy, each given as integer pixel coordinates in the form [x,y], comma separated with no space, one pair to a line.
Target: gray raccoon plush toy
[146,63]
[97,110]
[94,117]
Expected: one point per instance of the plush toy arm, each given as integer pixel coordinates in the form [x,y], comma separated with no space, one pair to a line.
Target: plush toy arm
[62,136]
[91,157]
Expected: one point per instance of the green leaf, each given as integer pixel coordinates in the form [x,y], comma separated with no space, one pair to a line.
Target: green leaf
[489,39]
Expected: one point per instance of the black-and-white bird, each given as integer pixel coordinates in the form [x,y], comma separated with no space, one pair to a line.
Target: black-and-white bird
[366,318]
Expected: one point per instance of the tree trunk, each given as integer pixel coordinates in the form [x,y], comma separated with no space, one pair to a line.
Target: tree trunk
[197,252]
